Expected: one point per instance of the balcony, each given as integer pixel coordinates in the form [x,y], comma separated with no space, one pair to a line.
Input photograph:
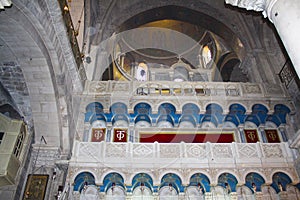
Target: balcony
[221,92]
[13,148]
[178,155]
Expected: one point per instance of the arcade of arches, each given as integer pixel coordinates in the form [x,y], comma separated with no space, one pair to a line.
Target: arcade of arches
[147,100]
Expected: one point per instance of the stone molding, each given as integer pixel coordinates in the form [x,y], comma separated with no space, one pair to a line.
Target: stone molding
[183,159]
[184,173]
[256,5]
[264,6]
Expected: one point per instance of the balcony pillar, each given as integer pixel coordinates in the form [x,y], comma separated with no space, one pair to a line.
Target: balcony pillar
[285,15]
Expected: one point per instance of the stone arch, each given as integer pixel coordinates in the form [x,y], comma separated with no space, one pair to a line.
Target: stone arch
[191,173]
[253,171]
[192,105]
[104,175]
[171,180]
[231,121]
[228,65]
[118,108]
[137,10]
[113,179]
[280,181]
[45,66]
[293,178]
[73,177]
[237,108]
[166,108]
[213,107]
[95,107]
[228,181]
[254,181]
[252,121]
[202,179]
[175,173]
[260,105]
[142,105]
[142,179]
[228,172]
[51,107]
[83,179]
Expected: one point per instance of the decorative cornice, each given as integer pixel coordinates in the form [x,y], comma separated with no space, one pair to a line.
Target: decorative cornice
[256,5]
[5,3]
[263,6]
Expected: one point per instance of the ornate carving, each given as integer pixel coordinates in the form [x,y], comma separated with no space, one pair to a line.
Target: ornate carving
[273,89]
[232,92]
[247,150]
[256,5]
[272,151]
[196,151]
[120,86]
[286,74]
[115,150]
[89,151]
[97,87]
[222,151]
[251,89]
[169,151]
[142,150]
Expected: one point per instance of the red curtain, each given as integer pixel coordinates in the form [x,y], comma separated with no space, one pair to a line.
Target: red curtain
[187,137]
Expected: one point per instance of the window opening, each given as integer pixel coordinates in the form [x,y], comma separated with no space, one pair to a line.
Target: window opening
[19,143]
[1,136]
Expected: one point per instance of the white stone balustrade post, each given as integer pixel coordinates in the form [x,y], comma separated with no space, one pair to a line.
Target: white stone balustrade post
[285,15]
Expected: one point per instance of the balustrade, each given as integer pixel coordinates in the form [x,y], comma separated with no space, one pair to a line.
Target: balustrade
[202,155]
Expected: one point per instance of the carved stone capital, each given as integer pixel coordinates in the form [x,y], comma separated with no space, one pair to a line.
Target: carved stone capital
[263,6]
[5,3]
[256,5]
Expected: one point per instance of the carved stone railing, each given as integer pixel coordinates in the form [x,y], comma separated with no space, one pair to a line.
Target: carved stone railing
[170,88]
[176,155]
[198,92]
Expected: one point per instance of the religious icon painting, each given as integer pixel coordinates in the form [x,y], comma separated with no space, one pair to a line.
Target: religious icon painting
[98,134]
[120,135]
[251,135]
[272,136]
[36,186]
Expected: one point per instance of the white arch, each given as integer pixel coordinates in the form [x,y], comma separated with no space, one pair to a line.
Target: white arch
[73,177]
[199,172]
[228,171]
[248,171]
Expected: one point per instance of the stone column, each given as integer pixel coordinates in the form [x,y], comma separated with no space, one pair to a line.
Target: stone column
[285,15]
